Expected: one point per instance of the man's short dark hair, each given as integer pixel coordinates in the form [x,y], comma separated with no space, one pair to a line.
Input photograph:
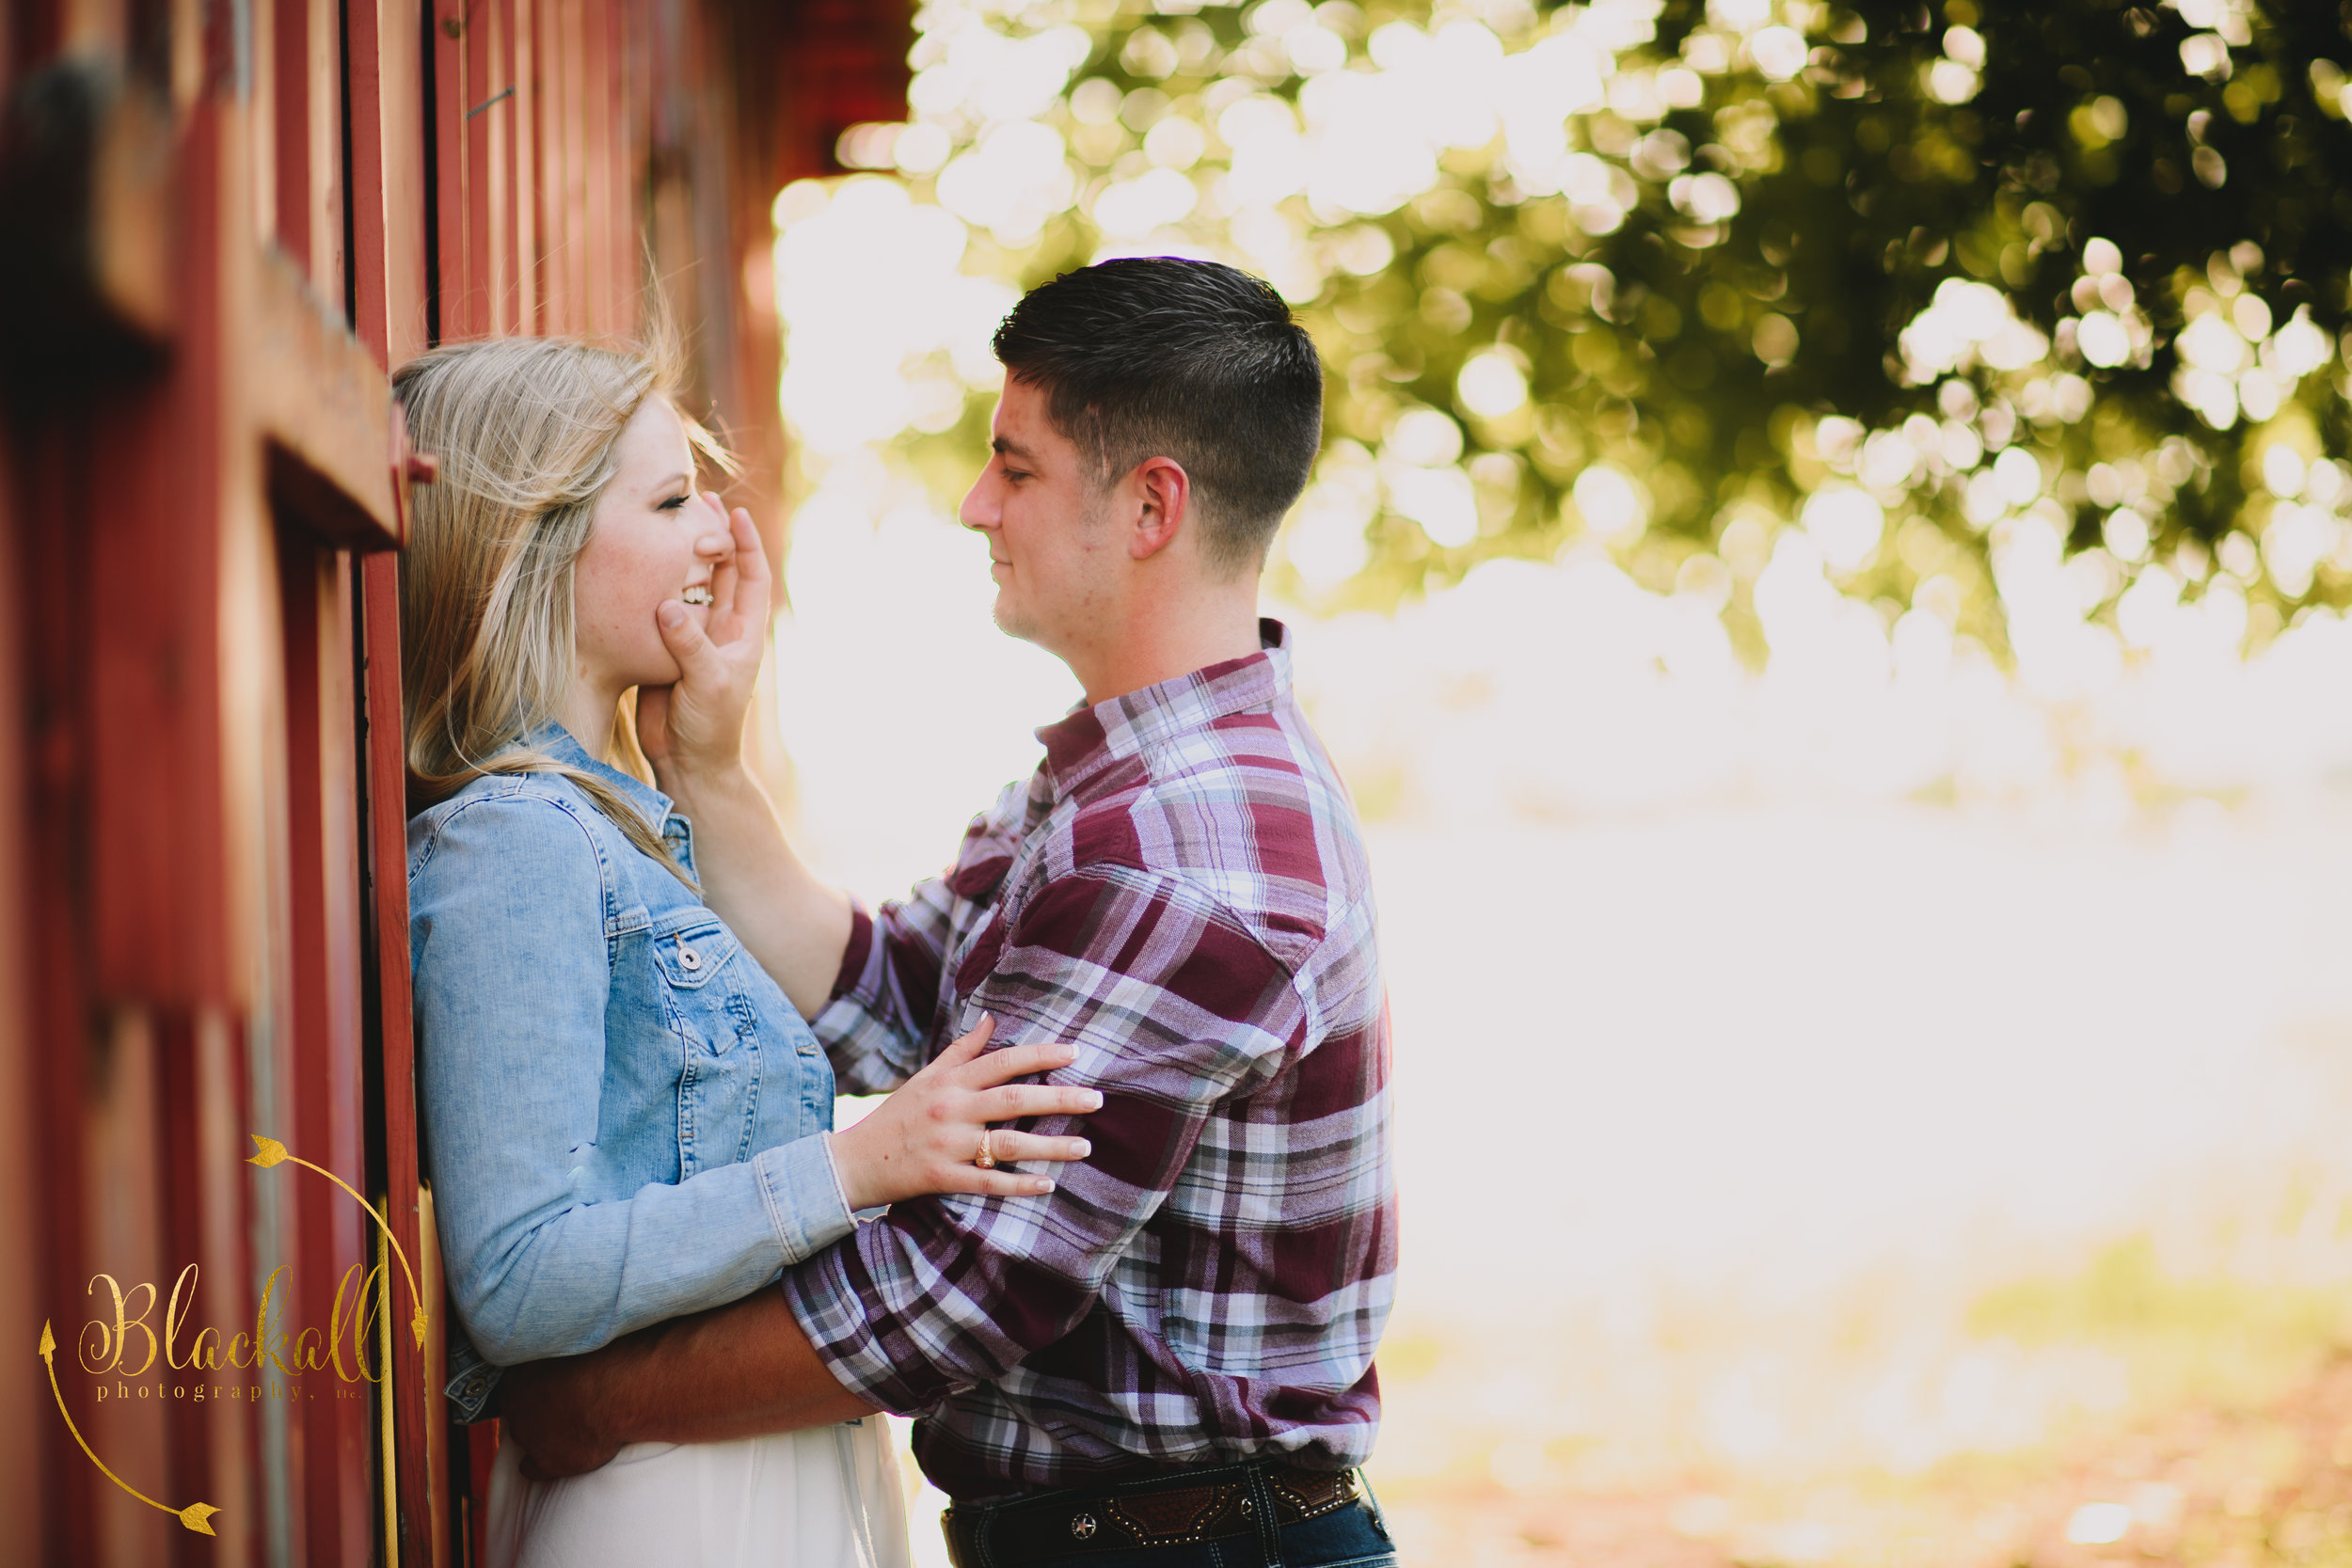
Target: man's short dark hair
[1153,357]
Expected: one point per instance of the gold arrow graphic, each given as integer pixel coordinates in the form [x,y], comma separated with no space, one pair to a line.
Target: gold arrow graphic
[196,1517]
[269,1151]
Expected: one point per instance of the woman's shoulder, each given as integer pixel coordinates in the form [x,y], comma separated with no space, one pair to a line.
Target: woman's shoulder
[541,820]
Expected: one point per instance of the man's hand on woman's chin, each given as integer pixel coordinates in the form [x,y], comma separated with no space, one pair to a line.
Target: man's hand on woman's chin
[549,1407]
[694,729]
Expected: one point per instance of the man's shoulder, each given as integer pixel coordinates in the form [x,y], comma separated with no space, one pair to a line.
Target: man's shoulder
[1246,812]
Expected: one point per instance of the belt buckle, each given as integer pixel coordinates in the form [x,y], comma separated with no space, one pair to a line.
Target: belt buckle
[1290,1486]
[1176,1517]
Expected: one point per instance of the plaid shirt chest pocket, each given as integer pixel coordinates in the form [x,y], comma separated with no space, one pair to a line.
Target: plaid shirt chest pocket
[699,983]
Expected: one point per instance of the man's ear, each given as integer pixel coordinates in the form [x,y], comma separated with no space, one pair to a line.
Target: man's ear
[1166,492]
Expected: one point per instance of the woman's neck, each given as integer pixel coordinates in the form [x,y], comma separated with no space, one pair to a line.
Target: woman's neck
[587,711]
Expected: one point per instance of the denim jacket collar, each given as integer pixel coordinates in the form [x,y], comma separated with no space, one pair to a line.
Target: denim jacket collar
[558,742]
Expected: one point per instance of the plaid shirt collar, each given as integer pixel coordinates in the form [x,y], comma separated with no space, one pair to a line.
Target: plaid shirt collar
[1091,739]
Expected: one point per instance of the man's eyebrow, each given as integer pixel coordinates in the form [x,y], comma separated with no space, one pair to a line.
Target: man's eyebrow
[1006,447]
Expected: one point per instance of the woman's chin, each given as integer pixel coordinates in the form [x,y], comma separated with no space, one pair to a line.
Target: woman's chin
[659,669]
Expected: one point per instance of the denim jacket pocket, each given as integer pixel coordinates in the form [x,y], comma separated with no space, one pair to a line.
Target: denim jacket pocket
[720,1071]
[692,951]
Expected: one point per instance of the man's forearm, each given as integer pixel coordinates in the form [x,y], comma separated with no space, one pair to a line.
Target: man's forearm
[735,1371]
[793,924]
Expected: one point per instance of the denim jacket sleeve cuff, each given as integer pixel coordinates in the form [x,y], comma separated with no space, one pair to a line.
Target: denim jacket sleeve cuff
[803,1194]
[472,1382]
[832,1163]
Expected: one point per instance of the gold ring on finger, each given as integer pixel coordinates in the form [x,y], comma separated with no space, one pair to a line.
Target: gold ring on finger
[986,1158]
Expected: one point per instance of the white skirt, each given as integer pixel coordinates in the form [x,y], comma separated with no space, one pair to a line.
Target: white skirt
[827,1497]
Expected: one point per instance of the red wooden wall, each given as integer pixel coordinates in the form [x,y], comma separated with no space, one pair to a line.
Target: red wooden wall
[220,225]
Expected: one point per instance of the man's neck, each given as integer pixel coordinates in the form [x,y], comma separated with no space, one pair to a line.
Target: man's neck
[1156,647]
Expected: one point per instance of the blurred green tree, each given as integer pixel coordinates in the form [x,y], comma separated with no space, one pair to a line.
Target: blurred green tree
[1931,297]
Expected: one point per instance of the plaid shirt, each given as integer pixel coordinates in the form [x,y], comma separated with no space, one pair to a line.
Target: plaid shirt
[1181,892]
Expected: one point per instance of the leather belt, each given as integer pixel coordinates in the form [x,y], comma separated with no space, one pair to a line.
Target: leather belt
[1174,1507]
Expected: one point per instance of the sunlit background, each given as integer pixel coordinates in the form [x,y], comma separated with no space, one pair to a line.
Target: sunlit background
[1859,783]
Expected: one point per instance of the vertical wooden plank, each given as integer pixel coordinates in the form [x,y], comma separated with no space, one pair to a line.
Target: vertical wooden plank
[201,1116]
[476,241]
[459,297]
[172,685]
[601,85]
[418,1372]
[482,1448]
[174,1133]
[549,184]
[321,870]
[568,143]
[220,1113]
[122,1228]
[523,65]
[388,271]
[57,718]
[251,67]
[167,899]
[492,125]
[320,865]
[386,91]
[325,186]
[27,1429]
[286,128]
[629,26]
[579,170]
[306,130]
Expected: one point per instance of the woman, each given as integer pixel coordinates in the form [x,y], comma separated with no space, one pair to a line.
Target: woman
[625,1119]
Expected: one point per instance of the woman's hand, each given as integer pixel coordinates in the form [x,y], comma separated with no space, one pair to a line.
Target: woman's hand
[696,726]
[923,1138]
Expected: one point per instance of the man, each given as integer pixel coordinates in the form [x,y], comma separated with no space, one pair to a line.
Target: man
[1172,1351]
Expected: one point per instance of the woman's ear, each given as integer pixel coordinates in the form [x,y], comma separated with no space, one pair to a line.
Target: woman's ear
[1167,495]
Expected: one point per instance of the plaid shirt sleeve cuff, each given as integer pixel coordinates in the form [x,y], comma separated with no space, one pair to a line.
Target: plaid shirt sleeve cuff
[826,1300]
[855,953]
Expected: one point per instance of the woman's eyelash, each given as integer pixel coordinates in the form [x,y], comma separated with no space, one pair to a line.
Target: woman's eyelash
[672,504]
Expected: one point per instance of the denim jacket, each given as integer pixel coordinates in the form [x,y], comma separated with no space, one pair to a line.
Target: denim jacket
[621,1109]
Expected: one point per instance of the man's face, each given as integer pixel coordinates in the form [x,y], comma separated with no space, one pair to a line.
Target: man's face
[1054,553]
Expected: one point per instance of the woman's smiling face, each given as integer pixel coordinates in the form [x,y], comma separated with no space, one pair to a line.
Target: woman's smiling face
[641,553]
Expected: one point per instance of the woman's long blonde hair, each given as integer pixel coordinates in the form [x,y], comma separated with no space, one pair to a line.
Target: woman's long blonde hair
[525,430]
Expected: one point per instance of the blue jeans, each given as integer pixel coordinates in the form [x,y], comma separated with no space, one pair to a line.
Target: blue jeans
[1350,1536]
